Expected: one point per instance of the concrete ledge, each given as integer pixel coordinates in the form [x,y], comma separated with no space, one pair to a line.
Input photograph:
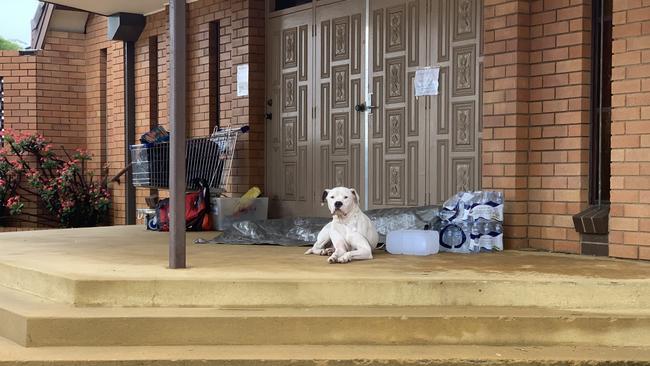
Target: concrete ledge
[42,284]
[36,323]
[425,291]
[11,354]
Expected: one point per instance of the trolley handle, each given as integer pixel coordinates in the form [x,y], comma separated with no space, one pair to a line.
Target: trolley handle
[243,129]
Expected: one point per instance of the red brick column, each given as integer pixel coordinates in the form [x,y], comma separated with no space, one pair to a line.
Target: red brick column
[505,111]
[559,121]
[536,117]
[248,24]
[630,195]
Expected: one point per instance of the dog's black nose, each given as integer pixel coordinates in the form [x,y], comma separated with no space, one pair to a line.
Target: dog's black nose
[338,204]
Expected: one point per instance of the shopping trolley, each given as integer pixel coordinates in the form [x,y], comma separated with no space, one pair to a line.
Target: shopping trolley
[207,158]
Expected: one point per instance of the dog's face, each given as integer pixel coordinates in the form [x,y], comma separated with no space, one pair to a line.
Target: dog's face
[341,200]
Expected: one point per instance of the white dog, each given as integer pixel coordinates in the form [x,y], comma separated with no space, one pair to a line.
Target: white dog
[351,232]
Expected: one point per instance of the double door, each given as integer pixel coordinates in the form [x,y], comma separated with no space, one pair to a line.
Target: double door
[341,107]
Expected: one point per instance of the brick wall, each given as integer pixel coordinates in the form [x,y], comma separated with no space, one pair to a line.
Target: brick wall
[630,184]
[536,95]
[72,91]
[104,104]
[559,121]
[45,93]
[60,81]
[536,117]
[505,111]
[241,41]
[19,75]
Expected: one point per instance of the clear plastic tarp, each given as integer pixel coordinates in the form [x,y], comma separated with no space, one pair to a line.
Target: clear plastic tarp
[299,231]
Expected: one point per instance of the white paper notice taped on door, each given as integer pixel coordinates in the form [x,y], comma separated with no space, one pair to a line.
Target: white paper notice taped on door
[242,80]
[426,81]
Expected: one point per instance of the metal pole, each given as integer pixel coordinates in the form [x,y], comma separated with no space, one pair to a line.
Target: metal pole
[177,100]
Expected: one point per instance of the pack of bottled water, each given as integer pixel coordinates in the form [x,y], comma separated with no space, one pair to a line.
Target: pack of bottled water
[486,235]
[470,222]
[487,205]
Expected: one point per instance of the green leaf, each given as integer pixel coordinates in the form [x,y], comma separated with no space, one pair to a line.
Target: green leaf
[6,44]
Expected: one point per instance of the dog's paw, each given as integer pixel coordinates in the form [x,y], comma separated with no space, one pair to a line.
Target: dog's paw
[309,251]
[332,259]
[327,251]
[345,258]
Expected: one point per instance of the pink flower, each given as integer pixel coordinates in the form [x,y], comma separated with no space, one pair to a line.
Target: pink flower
[13,201]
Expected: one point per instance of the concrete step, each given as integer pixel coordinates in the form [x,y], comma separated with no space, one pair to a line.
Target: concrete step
[327,285]
[335,355]
[34,322]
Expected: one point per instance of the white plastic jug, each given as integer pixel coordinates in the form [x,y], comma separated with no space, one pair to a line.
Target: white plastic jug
[413,242]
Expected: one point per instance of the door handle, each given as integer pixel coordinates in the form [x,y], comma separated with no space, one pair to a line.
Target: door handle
[269,115]
[365,108]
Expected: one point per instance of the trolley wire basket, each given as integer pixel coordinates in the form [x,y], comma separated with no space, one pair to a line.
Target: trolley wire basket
[207,158]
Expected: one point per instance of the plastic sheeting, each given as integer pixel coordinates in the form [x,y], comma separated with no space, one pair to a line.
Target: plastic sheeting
[301,231]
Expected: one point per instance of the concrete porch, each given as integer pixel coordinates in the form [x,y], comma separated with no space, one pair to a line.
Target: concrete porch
[127,266]
[73,295]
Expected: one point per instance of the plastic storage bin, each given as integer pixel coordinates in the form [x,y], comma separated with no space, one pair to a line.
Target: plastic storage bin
[413,242]
[225,211]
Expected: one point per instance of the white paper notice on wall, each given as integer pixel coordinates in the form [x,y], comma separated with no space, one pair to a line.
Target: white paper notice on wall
[242,80]
[426,81]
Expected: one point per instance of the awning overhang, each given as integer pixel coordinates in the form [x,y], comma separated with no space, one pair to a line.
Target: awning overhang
[109,7]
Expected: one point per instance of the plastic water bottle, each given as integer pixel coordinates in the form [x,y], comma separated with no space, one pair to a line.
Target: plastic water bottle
[455,237]
[477,230]
[412,242]
[498,197]
[452,236]
[449,209]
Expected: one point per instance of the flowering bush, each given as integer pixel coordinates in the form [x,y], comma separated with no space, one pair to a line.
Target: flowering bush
[71,196]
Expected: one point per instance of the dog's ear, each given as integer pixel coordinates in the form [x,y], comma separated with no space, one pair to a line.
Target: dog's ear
[356,195]
[325,193]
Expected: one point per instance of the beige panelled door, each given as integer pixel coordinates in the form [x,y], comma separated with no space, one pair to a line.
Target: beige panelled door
[290,127]
[422,150]
[316,77]
[340,80]
[455,139]
[416,150]
[397,127]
